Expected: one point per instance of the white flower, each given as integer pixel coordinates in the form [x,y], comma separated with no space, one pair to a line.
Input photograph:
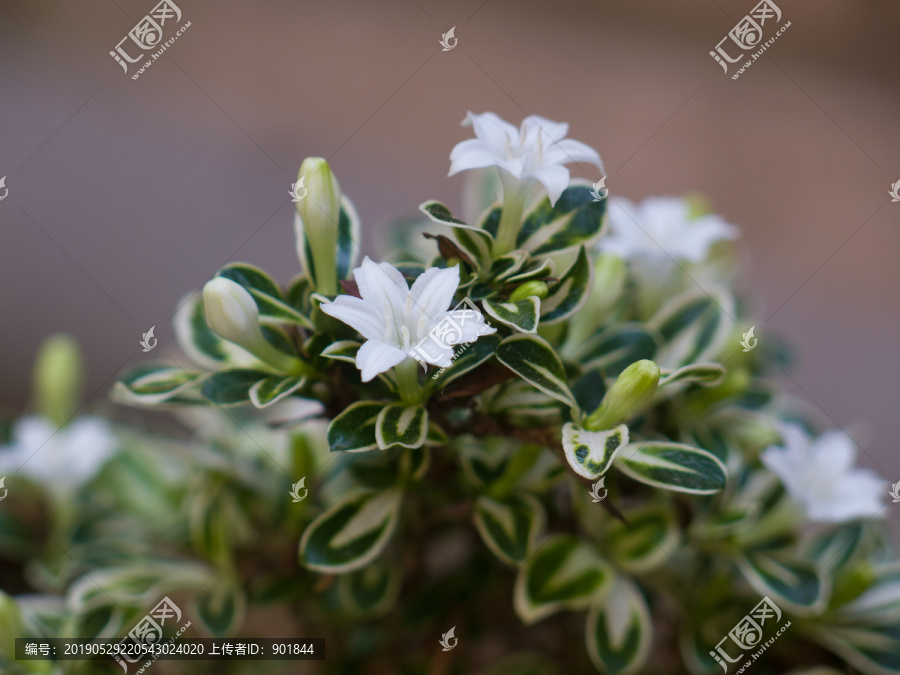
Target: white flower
[536,151]
[820,476]
[660,230]
[394,318]
[59,458]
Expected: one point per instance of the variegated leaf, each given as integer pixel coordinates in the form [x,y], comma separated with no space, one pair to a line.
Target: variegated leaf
[673,466]
[532,358]
[590,453]
[509,527]
[397,424]
[796,585]
[523,315]
[619,630]
[569,293]
[354,429]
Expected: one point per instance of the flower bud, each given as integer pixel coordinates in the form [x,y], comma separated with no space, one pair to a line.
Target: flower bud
[231,313]
[529,288]
[57,378]
[629,394]
[316,225]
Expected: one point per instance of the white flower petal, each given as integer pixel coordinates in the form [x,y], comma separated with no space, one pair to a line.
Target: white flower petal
[376,357]
[383,286]
[555,178]
[471,153]
[471,323]
[364,318]
[569,150]
[432,292]
[496,133]
[550,130]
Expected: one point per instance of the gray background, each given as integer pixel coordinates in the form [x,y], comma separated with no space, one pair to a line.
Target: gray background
[124,195]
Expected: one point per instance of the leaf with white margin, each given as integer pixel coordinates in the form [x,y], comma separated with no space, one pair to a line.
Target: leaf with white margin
[352,533]
[522,315]
[874,650]
[397,424]
[563,573]
[509,527]
[369,592]
[695,327]
[880,602]
[707,374]
[796,585]
[673,466]
[353,430]
[152,384]
[570,292]
[647,542]
[532,358]
[342,350]
[619,631]
[273,307]
[590,453]
[273,389]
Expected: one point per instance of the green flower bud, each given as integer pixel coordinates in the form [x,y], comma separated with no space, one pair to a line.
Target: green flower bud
[629,394]
[852,582]
[58,378]
[529,288]
[318,214]
[231,313]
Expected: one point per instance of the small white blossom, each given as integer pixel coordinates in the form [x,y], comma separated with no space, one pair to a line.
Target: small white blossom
[394,318]
[660,230]
[536,152]
[819,474]
[59,458]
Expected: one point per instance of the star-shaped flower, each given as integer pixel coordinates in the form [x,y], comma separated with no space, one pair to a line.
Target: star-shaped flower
[660,229]
[59,458]
[536,152]
[400,322]
[819,474]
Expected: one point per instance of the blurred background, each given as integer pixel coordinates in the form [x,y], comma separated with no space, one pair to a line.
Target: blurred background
[125,194]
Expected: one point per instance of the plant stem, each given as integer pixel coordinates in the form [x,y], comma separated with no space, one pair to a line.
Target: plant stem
[514,196]
[407,376]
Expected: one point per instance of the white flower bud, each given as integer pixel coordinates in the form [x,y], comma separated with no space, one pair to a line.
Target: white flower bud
[318,215]
[231,313]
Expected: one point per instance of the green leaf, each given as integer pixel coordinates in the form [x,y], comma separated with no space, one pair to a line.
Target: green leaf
[647,542]
[371,592]
[231,387]
[342,350]
[564,573]
[590,453]
[793,584]
[570,292]
[352,533]
[483,460]
[619,630]
[507,265]
[874,650]
[509,527]
[273,308]
[707,374]
[468,357]
[673,466]
[880,601]
[221,610]
[575,219]
[616,348]
[589,389]
[532,358]
[695,326]
[354,429]
[522,315]
[474,239]
[273,389]
[833,548]
[401,425]
[152,384]
[200,343]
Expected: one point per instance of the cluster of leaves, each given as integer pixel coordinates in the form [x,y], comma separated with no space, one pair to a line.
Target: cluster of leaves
[509,438]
